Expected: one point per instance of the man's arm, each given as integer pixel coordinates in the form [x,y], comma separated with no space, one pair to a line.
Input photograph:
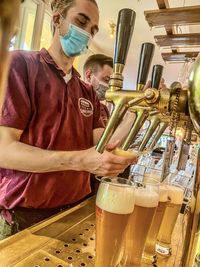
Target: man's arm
[19,156]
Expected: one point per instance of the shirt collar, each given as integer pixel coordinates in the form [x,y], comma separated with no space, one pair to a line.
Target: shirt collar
[49,60]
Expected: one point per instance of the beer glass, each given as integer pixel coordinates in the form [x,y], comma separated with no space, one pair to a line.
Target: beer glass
[114,205]
[176,194]
[149,255]
[152,173]
[146,202]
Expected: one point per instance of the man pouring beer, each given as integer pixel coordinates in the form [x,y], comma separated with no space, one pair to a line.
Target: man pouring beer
[49,124]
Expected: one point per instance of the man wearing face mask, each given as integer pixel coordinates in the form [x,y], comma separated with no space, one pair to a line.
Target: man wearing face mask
[97,71]
[49,125]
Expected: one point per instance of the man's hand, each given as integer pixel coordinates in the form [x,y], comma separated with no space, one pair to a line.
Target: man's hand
[105,164]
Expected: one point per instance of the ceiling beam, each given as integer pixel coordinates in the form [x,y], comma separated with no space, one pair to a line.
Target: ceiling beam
[180,56]
[173,16]
[162,4]
[175,40]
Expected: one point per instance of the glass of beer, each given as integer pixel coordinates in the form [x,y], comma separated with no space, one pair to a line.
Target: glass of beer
[149,255]
[146,202]
[176,194]
[152,173]
[114,206]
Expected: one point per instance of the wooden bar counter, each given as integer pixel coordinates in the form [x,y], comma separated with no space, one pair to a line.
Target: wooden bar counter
[65,240]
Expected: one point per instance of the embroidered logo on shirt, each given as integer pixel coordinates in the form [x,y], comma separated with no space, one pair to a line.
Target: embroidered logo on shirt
[86,107]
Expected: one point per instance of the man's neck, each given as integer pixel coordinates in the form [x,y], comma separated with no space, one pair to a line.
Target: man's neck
[63,62]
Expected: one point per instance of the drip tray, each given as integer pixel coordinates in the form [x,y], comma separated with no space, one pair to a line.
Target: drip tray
[65,240]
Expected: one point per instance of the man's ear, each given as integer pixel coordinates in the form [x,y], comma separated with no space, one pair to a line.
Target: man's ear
[56,20]
[88,76]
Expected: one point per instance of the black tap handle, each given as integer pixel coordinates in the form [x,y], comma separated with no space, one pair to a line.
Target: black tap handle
[124,32]
[146,55]
[156,76]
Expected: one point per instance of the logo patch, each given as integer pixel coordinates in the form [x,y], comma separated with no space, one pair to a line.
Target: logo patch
[86,107]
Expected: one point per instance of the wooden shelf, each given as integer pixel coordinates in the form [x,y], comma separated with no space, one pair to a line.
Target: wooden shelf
[173,16]
[179,57]
[175,40]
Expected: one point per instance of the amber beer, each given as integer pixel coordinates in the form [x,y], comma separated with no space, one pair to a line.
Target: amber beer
[176,194]
[146,202]
[114,205]
[149,255]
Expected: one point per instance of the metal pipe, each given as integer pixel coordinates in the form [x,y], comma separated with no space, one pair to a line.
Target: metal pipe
[154,122]
[141,117]
[162,127]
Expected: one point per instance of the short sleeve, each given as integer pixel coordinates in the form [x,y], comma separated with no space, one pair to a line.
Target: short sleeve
[16,106]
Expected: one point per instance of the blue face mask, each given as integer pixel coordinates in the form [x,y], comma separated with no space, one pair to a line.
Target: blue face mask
[75,42]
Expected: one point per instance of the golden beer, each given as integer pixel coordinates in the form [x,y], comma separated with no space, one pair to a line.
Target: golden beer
[114,204]
[146,202]
[149,255]
[176,194]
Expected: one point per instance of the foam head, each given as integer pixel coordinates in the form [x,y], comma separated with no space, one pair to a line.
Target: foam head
[163,194]
[176,194]
[146,198]
[116,199]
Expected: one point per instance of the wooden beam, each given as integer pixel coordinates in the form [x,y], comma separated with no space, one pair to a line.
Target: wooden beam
[162,4]
[175,40]
[179,57]
[173,16]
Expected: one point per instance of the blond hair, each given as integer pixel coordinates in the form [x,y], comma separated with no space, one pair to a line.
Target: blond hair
[62,6]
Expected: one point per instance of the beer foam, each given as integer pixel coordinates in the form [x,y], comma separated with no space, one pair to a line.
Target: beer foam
[116,199]
[163,194]
[146,198]
[175,194]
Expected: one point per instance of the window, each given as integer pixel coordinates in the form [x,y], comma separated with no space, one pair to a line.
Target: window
[46,36]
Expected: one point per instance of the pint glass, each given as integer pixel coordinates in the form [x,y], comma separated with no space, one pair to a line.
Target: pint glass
[149,255]
[176,194]
[114,205]
[146,202]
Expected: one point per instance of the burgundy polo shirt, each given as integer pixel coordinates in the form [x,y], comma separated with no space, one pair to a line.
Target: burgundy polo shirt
[53,116]
[104,113]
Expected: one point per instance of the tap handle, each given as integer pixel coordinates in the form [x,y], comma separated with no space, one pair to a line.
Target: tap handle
[156,76]
[124,32]
[146,55]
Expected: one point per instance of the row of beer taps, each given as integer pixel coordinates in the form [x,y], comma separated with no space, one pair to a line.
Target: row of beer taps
[159,107]
[147,103]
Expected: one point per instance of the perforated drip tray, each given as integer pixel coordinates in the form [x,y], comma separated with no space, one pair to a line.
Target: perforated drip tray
[65,240]
[76,247]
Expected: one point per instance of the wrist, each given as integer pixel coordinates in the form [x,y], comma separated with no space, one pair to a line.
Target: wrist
[70,160]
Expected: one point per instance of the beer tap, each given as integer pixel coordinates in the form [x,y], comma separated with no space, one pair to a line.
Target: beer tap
[125,26]
[154,119]
[146,55]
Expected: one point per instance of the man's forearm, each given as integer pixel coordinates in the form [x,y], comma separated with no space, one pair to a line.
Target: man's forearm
[22,157]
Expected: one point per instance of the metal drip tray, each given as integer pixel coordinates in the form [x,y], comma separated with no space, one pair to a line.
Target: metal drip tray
[65,240]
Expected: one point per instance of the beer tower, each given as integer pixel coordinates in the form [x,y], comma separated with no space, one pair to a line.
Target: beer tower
[144,103]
